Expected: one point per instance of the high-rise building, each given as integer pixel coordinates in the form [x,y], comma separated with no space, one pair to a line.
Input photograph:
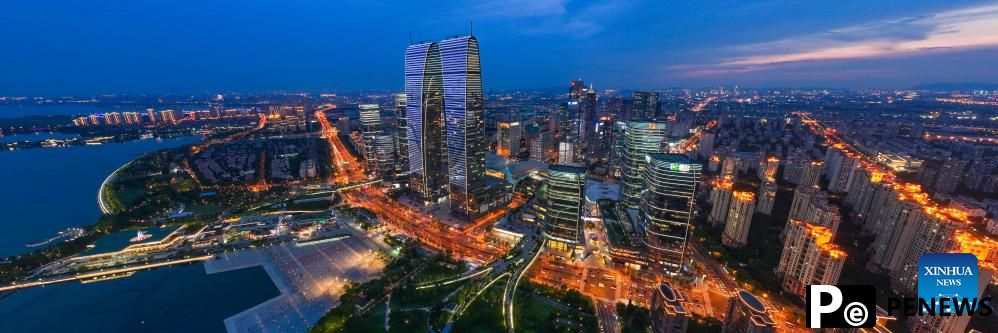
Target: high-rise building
[668,315]
[809,258]
[768,168]
[861,191]
[720,200]
[640,138]
[508,135]
[645,104]
[566,153]
[736,227]
[747,314]
[401,134]
[706,148]
[576,90]
[840,169]
[949,174]
[465,125]
[588,120]
[463,112]
[424,111]
[811,173]
[168,116]
[895,233]
[564,199]
[152,115]
[767,197]
[542,146]
[666,208]
[932,233]
[729,168]
[378,147]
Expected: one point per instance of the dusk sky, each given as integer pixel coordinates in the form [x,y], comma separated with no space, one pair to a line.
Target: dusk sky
[92,47]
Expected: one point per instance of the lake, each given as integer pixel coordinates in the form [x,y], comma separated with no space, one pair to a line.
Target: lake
[46,190]
[171,299]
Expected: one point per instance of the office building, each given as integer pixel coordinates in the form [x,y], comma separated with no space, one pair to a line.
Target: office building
[563,201]
[378,146]
[668,315]
[401,134]
[566,153]
[508,137]
[666,208]
[424,111]
[576,90]
[640,138]
[736,227]
[747,314]
[542,146]
[464,123]
[645,105]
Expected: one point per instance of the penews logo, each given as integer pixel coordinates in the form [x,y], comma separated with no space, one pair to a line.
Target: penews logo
[947,280]
[841,306]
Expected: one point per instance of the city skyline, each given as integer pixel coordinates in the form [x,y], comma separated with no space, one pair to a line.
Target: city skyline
[187,48]
[441,206]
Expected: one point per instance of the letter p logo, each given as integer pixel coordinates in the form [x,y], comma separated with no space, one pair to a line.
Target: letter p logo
[825,310]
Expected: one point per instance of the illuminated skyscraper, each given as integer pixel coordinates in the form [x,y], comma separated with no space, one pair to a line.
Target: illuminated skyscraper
[508,136]
[378,147]
[564,199]
[401,134]
[424,112]
[576,90]
[736,227]
[640,138]
[666,208]
[645,104]
[465,126]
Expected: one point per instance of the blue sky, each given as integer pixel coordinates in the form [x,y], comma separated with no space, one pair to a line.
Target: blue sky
[91,47]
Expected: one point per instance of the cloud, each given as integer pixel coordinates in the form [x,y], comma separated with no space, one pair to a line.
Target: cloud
[579,19]
[519,8]
[954,30]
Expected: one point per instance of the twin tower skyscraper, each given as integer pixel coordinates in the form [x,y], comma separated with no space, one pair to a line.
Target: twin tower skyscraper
[446,128]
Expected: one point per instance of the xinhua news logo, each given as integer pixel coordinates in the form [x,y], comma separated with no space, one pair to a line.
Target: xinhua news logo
[841,306]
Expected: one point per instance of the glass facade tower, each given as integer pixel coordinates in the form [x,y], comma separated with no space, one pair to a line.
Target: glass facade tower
[464,124]
[640,138]
[666,208]
[424,114]
[566,195]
